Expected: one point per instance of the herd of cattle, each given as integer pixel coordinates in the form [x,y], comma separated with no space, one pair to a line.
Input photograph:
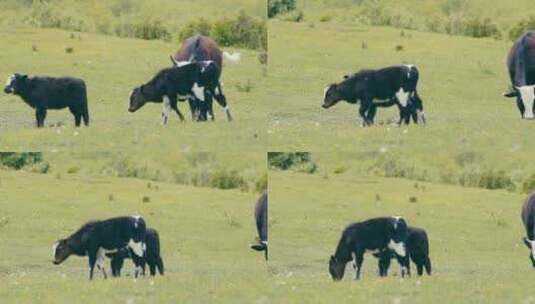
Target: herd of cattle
[397,85]
[128,237]
[194,76]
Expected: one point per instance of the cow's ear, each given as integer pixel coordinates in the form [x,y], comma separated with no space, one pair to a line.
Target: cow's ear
[346,76]
[24,77]
[173,60]
[527,242]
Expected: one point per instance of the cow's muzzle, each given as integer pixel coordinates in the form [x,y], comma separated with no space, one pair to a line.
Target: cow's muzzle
[8,90]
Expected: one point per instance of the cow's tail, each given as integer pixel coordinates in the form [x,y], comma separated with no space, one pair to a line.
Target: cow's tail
[233,58]
[427,265]
[159,265]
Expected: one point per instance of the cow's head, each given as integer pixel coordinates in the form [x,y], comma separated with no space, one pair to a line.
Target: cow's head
[15,83]
[331,96]
[61,251]
[525,100]
[419,107]
[336,269]
[138,98]
[531,245]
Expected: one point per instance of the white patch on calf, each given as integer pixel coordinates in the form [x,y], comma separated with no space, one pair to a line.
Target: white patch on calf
[527,94]
[54,248]
[403,97]
[136,219]
[396,221]
[325,93]
[409,66]
[137,247]
[216,91]
[166,108]
[182,63]
[399,248]
[198,91]
[10,79]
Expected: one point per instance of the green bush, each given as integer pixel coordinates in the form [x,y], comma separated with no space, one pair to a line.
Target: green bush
[481,28]
[297,161]
[529,184]
[276,7]
[147,29]
[487,179]
[261,184]
[521,27]
[200,26]
[224,179]
[17,161]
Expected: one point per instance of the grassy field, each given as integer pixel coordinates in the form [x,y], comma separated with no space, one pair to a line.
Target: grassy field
[475,240]
[112,67]
[461,83]
[205,234]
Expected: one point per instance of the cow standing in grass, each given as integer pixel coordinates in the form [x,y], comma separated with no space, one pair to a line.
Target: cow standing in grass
[198,49]
[376,235]
[47,93]
[417,249]
[152,256]
[261,218]
[528,218]
[95,239]
[395,85]
[521,66]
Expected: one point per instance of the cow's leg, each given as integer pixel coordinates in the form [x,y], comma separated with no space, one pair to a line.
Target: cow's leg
[359,258]
[174,106]
[208,103]
[365,105]
[85,114]
[371,113]
[427,265]
[40,115]
[152,268]
[92,254]
[420,268]
[77,115]
[384,263]
[404,264]
[100,263]
[116,266]
[222,101]
[194,108]
[166,106]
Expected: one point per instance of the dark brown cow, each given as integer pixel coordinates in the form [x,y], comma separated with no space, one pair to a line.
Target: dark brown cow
[521,66]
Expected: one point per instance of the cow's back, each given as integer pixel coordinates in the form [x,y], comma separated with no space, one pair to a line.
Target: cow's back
[528,214]
[521,60]
[417,241]
[200,48]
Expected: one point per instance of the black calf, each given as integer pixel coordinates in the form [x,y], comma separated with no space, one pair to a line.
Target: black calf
[152,256]
[417,248]
[261,218]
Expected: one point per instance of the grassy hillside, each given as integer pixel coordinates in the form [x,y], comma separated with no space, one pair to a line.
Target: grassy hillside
[475,240]
[418,13]
[461,82]
[204,233]
[112,67]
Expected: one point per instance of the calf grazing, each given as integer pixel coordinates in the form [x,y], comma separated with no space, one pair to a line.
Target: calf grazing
[521,66]
[380,88]
[202,48]
[261,218]
[152,256]
[528,218]
[377,234]
[417,248]
[171,84]
[44,93]
[96,238]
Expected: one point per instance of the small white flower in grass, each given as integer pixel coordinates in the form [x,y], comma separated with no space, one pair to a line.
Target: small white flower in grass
[418,282]
[383,149]
[76,133]
[396,301]
[405,131]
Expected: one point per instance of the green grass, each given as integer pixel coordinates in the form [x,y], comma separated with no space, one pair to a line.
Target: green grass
[112,67]
[461,82]
[205,234]
[475,240]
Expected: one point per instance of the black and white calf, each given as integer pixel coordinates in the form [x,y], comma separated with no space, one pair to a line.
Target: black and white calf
[417,248]
[261,218]
[170,85]
[521,66]
[208,88]
[395,85]
[96,238]
[375,235]
[152,256]
[528,219]
[47,93]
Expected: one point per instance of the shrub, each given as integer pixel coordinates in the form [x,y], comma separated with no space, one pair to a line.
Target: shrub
[261,184]
[294,16]
[521,27]
[298,161]
[18,161]
[200,26]
[481,28]
[276,7]
[224,179]
[488,179]
[326,18]
[147,29]
[244,31]
[529,184]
